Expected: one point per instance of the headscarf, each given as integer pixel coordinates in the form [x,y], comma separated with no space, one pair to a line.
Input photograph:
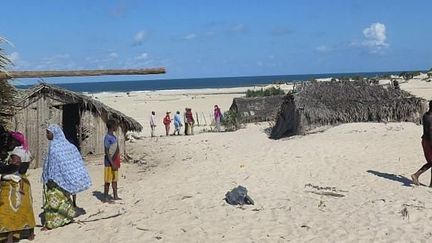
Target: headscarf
[21,139]
[64,164]
[217,112]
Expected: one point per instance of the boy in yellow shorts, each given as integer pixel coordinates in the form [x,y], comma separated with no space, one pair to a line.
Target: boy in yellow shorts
[111,161]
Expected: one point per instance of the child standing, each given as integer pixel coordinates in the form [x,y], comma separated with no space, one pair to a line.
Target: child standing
[112,160]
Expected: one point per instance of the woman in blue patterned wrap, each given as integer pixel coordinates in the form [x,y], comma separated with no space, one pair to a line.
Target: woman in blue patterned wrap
[64,175]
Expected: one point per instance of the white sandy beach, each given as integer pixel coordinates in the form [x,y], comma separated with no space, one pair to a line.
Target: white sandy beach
[347,184]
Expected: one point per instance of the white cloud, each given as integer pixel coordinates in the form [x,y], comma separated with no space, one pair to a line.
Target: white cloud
[190,36]
[113,55]
[140,37]
[323,48]
[14,57]
[375,37]
[142,56]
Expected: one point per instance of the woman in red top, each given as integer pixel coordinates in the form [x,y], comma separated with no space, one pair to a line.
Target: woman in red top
[189,122]
[167,122]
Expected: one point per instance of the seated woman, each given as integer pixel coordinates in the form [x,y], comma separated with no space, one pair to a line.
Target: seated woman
[17,145]
[16,210]
[64,175]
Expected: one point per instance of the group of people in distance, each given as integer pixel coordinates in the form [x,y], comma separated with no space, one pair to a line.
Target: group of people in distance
[188,118]
[64,175]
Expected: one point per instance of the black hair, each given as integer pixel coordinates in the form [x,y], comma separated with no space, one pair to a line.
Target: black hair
[111,124]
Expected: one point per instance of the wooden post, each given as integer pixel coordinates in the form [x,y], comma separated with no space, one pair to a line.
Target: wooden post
[197,118]
[205,120]
[76,73]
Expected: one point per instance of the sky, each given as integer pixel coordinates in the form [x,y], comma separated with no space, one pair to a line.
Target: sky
[223,38]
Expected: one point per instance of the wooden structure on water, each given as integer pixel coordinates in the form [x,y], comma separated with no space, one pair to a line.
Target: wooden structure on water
[320,104]
[83,120]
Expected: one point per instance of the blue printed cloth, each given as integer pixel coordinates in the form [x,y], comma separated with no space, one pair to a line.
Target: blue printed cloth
[177,121]
[64,164]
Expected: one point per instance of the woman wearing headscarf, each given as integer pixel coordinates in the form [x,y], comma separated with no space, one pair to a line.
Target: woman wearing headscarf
[189,122]
[218,117]
[64,175]
[16,208]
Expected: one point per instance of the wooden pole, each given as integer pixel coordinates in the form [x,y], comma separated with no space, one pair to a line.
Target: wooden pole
[205,120]
[77,73]
[197,118]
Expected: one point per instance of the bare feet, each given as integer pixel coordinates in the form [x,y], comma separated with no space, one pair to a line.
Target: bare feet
[44,229]
[107,200]
[415,180]
[117,198]
[31,237]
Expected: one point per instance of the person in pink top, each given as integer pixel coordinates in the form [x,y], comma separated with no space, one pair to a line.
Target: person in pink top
[217,117]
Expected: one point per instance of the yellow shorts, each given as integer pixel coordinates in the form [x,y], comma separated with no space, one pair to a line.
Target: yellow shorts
[110,175]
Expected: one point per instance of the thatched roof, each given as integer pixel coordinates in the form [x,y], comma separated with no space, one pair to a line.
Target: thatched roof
[86,102]
[330,103]
[256,109]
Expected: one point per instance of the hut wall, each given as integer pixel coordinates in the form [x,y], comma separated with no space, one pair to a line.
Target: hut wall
[256,109]
[33,121]
[93,130]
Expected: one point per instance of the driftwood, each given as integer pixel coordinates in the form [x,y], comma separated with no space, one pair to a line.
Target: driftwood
[77,73]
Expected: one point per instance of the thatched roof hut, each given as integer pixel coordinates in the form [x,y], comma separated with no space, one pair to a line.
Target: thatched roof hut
[331,103]
[256,109]
[83,119]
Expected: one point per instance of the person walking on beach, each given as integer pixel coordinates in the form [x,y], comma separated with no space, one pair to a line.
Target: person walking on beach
[177,123]
[217,117]
[189,122]
[167,123]
[153,123]
[426,144]
[111,161]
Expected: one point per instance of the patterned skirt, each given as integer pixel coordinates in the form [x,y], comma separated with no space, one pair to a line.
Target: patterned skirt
[16,209]
[58,207]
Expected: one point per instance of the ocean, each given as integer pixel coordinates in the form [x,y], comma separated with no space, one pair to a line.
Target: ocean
[199,83]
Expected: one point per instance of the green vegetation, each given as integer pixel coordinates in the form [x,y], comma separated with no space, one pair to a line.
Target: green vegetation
[229,121]
[409,75]
[265,92]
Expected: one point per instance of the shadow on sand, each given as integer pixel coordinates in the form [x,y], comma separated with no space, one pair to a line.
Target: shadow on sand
[399,178]
[99,195]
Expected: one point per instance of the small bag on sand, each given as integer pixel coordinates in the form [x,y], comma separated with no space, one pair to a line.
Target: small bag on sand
[238,196]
